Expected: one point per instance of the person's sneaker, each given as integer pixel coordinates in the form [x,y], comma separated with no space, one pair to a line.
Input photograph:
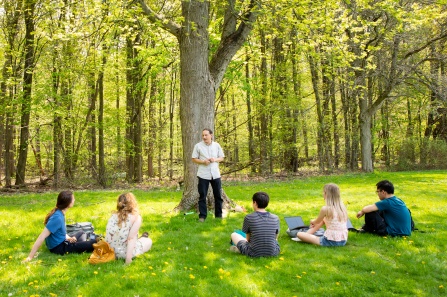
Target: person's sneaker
[201,220]
[145,234]
[295,239]
[234,249]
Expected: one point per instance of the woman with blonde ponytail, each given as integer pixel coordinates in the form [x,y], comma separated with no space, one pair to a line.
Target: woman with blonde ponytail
[122,230]
[334,216]
[55,233]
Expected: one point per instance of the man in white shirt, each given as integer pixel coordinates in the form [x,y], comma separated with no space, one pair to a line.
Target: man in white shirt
[207,154]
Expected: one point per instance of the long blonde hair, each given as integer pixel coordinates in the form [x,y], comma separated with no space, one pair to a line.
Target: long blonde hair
[126,204]
[334,203]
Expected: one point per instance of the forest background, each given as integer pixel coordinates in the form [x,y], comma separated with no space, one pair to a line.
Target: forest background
[91,92]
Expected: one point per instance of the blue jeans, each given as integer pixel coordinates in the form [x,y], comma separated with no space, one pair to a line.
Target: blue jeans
[203,191]
[326,242]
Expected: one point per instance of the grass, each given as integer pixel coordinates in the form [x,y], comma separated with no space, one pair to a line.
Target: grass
[192,259]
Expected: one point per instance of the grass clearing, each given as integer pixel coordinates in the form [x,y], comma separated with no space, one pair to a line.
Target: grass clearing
[192,259]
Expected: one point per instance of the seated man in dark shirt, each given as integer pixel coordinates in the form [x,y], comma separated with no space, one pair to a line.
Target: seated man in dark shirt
[389,216]
[261,228]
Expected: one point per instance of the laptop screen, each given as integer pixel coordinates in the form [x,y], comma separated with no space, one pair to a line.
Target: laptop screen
[294,222]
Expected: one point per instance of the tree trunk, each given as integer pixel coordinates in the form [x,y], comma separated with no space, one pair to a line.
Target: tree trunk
[251,148]
[101,153]
[316,89]
[7,92]
[27,88]
[152,127]
[199,77]
[197,91]
[264,110]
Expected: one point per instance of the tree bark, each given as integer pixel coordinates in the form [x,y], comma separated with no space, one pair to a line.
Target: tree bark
[27,89]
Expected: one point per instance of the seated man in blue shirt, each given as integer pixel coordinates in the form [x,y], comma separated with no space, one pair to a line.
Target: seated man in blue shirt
[389,216]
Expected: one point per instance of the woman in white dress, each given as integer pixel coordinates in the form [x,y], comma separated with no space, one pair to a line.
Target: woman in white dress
[122,230]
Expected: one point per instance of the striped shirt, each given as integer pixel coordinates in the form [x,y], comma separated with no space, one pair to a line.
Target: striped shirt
[263,228]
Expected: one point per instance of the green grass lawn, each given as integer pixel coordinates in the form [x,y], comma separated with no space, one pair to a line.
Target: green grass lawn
[192,259]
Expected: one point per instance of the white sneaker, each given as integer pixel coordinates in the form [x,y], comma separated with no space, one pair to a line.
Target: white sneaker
[295,239]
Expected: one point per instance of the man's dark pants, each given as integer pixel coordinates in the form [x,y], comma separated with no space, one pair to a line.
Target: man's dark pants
[375,223]
[203,191]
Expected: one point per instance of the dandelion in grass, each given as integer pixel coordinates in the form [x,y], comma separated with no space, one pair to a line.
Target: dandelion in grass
[10,257]
[166,263]
[153,273]
[25,291]
[169,248]
[4,262]
[304,272]
[423,262]
[441,286]
[397,254]
[53,295]
[164,270]
[31,284]
[186,268]
[337,283]
[192,276]
[266,266]
[281,258]
[150,267]
[410,242]
[95,272]
[298,276]
[204,267]
[190,268]
[60,260]
[373,272]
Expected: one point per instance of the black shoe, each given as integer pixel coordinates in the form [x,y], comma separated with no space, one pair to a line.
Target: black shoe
[145,234]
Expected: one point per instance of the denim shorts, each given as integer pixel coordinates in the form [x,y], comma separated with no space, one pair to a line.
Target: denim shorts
[326,242]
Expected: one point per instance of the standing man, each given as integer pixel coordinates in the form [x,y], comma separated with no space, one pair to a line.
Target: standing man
[208,154]
[388,216]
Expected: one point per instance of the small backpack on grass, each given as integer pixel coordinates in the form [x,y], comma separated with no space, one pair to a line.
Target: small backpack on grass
[102,253]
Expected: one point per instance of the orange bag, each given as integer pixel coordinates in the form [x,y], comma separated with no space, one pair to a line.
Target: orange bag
[102,253]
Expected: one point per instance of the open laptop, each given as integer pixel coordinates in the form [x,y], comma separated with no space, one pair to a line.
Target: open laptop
[295,222]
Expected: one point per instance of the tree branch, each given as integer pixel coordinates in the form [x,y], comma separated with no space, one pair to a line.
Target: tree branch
[232,41]
[167,25]
[417,50]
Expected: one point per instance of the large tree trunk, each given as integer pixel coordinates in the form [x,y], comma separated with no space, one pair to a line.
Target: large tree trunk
[199,77]
[197,91]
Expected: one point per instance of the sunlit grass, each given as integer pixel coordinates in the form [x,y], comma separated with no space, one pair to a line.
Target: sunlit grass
[192,259]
